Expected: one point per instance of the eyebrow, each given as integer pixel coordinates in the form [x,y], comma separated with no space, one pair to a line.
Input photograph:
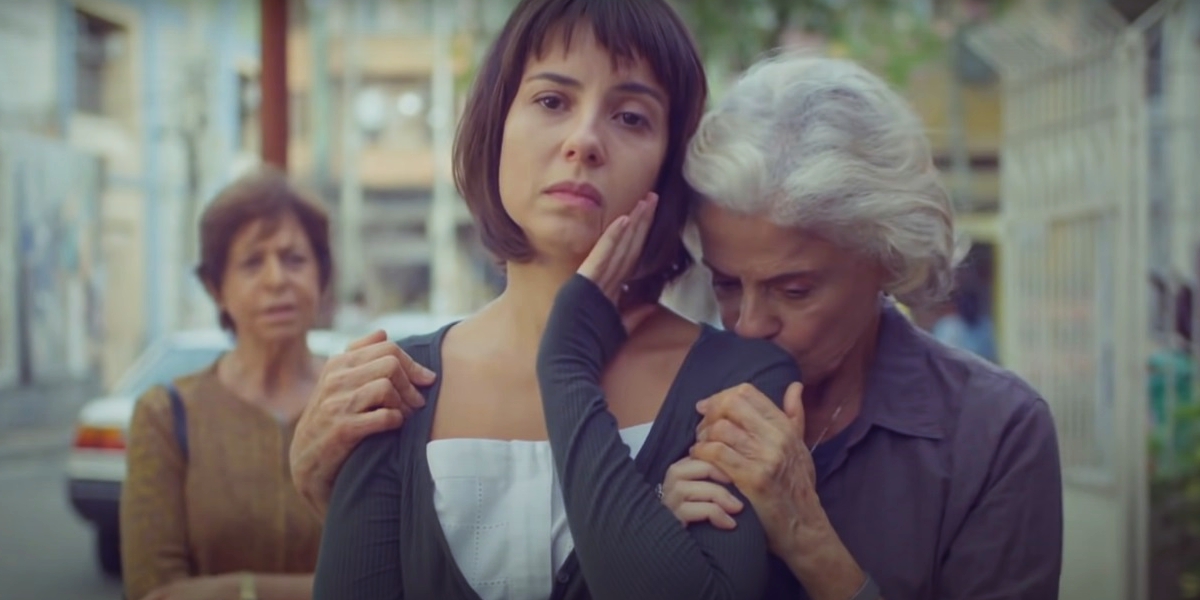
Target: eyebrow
[775,279]
[631,87]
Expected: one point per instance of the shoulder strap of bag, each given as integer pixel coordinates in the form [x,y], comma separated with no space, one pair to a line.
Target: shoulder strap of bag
[179,416]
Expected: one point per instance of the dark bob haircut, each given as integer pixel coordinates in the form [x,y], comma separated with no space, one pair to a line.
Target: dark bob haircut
[265,195]
[629,30]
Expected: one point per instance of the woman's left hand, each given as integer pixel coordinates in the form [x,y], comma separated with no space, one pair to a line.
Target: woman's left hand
[215,587]
[761,448]
[615,255]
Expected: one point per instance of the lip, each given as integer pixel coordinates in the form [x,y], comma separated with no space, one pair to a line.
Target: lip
[280,310]
[576,192]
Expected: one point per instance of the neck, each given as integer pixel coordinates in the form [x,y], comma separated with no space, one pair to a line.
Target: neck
[268,369]
[842,388]
[524,305]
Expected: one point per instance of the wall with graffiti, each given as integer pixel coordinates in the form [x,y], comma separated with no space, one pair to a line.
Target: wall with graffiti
[50,272]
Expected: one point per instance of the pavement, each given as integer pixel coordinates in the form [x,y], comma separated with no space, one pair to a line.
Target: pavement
[39,419]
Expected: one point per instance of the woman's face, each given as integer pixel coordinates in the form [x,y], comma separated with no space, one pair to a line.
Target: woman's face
[802,292]
[272,284]
[583,142]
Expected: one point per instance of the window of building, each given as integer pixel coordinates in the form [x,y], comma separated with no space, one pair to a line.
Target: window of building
[101,48]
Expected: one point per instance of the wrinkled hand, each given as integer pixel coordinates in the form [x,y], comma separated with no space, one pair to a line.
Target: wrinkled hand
[367,389]
[761,449]
[217,587]
[692,490]
[615,256]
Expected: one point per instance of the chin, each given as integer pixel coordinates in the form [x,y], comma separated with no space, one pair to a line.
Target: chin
[575,242]
[281,333]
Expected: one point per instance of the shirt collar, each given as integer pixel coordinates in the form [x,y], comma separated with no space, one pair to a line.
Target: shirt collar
[899,394]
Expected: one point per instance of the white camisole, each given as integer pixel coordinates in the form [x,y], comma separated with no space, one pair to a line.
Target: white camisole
[501,508]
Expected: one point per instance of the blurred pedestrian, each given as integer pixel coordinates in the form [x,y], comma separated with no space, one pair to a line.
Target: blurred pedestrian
[208,508]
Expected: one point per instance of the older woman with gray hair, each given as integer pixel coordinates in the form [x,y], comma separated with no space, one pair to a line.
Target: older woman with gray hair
[908,469]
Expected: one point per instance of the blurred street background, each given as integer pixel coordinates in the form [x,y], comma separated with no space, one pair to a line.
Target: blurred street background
[1068,132]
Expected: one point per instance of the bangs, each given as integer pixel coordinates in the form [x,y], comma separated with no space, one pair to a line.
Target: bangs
[627,30]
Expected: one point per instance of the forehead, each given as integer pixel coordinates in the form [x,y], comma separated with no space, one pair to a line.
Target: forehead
[281,229]
[753,247]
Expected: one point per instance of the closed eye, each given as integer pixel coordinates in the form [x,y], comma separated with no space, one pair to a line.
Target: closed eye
[725,285]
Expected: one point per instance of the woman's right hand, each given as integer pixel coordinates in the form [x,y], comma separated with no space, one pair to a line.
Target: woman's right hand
[693,491]
[615,256]
[369,388]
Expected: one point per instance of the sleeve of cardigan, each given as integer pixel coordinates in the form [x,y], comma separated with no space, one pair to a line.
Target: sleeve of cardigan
[360,542]
[154,546]
[628,544]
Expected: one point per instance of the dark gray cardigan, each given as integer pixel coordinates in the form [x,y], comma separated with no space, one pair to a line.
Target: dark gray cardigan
[382,536]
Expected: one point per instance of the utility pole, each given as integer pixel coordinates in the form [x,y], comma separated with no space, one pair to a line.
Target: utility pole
[273,113]
[350,207]
[441,227]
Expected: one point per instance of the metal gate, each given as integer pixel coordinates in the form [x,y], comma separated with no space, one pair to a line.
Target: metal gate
[1075,265]
[1174,83]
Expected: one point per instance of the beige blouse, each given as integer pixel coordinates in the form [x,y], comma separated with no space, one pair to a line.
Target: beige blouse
[229,507]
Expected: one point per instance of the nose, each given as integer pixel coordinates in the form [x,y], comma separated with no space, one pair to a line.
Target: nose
[583,143]
[755,320]
[273,272]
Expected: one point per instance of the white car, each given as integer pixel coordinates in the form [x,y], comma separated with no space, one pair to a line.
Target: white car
[96,465]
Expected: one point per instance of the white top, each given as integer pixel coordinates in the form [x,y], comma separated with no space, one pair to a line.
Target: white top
[501,508]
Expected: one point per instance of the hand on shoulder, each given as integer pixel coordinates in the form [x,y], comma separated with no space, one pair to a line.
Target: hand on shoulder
[372,387]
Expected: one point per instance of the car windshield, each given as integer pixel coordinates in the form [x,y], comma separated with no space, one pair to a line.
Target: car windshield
[165,366]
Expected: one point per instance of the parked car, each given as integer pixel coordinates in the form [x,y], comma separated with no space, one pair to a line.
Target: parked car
[399,325]
[96,465]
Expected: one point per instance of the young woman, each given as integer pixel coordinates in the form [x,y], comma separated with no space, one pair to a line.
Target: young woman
[531,470]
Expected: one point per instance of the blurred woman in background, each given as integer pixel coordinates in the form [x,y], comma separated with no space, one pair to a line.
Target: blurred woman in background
[208,509]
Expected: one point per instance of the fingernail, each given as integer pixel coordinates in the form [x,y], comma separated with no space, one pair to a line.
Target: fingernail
[702,406]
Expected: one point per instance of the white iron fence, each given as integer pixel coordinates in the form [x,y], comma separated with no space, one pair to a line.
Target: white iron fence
[1100,196]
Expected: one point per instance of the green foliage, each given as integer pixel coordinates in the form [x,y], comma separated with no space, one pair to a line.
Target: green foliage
[885,35]
[895,44]
[1175,502]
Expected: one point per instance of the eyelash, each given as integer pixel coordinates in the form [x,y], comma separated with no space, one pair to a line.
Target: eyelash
[293,258]
[642,121]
